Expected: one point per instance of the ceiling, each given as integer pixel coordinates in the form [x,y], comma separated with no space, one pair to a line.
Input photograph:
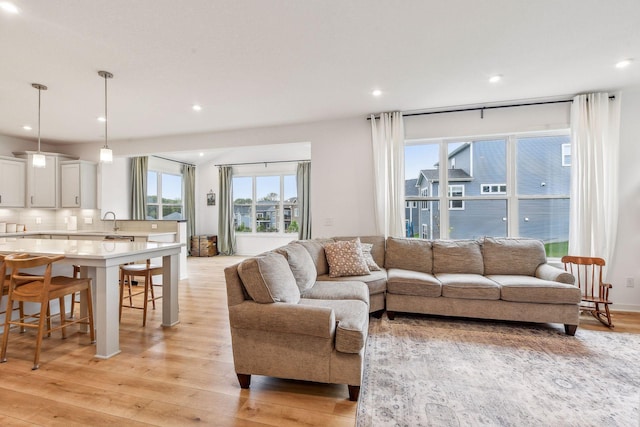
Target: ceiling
[252,63]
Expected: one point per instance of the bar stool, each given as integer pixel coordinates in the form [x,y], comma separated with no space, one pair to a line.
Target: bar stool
[6,278]
[127,273]
[42,289]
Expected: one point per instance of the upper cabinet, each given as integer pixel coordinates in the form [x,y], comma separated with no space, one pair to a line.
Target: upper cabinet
[78,184]
[43,183]
[12,182]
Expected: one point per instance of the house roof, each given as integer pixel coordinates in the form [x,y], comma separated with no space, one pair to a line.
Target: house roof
[410,188]
[433,175]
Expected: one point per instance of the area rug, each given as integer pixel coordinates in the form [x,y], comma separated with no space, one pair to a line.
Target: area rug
[430,371]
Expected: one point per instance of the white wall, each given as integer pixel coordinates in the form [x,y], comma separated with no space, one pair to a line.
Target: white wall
[342,194]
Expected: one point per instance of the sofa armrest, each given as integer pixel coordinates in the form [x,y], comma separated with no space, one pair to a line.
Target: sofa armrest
[555,274]
[284,318]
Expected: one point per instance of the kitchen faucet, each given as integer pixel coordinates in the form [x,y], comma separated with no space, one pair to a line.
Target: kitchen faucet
[115,223]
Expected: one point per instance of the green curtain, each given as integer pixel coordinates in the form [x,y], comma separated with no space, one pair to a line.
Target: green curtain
[139,166]
[303,178]
[226,232]
[189,179]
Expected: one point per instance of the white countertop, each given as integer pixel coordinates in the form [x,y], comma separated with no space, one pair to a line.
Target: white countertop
[89,233]
[88,249]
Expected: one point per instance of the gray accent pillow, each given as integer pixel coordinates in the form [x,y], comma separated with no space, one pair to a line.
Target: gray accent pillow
[269,279]
[316,250]
[457,256]
[512,256]
[301,264]
[409,254]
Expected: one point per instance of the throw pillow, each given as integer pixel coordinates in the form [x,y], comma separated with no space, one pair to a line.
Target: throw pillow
[301,263]
[368,258]
[268,278]
[345,258]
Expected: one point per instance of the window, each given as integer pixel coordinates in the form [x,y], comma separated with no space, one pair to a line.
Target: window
[265,204]
[513,185]
[164,195]
[566,154]
[456,191]
[493,189]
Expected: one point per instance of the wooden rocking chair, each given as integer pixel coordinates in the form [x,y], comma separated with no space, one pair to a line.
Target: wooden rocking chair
[595,293]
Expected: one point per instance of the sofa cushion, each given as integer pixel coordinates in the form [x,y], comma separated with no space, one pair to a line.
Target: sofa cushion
[352,322]
[409,282]
[268,278]
[531,289]
[376,280]
[301,264]
[512,256]
[335,289]
[468,286]
[457,256]
[377,250]
[368,258]
[345,258]
[316,250]
[409,254]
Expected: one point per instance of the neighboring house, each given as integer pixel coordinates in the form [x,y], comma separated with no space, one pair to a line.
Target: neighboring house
[267,216]
[477,171]
[411,213]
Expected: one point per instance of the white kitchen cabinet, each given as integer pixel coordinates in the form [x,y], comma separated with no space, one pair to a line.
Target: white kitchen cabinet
[12,182]
[42,183]
[78,184]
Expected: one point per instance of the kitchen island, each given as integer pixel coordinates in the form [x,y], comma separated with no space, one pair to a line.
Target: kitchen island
[100,260]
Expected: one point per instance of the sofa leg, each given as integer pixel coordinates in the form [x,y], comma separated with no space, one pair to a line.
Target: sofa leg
[244,380]
[391,314]
[378,314]
[354,392]
[570,329]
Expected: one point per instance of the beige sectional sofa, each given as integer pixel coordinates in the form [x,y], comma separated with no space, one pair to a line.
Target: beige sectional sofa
[302,310]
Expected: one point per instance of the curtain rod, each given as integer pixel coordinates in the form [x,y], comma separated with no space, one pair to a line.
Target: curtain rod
[264,163]
[171,160]
[481,109]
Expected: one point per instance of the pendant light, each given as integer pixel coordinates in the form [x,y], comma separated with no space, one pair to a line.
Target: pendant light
[106,155]
[38,159]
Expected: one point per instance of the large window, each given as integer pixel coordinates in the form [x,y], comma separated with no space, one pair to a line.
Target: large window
[515,185]
[164,195]
[265,204]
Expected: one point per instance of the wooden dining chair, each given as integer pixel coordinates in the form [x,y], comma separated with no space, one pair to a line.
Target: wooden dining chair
[5,290]
[128,272]
[595,293]
[42,289]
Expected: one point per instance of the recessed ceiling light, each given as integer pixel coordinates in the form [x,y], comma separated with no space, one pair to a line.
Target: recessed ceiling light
[624,63]
[197,107]
[200,154]
[9,7]
[27,127]
[102,119]
[496,78]
[376,92]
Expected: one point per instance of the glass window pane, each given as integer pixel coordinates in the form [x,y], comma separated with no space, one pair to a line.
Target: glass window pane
[152,211]
[268,204]
[479,218]
[172,212]
[152,187]
[421,183]
[290,205]
[547,220]
[423,220]
[480,167]
[542,167]
[171,189]
[242,200]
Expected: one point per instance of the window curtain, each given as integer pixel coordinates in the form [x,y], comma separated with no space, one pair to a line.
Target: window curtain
[139,167]
[303,180]
[189,178]
[387,137]
[226,232]
[595,127]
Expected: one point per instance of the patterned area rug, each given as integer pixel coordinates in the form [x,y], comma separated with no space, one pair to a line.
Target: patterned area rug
[429,371]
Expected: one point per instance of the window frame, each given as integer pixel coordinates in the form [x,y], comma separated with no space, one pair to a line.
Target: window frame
[160,204]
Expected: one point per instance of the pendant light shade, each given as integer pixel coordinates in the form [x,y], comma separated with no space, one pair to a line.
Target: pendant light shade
[106,155]
[38,159]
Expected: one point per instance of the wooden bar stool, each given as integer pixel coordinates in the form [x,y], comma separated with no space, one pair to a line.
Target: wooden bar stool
[127,273]
[42,289]
[6,278]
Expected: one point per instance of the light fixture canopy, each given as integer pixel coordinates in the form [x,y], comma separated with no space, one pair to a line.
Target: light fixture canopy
[38,160]
[106,155]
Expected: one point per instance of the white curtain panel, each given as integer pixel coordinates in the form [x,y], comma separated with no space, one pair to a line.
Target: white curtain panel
[595,128]
[387,138]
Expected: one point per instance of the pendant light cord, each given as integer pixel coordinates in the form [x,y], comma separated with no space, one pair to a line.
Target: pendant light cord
[40,89]
[106,75]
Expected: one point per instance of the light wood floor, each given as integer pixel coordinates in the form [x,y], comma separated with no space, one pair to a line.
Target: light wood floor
[171,377]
